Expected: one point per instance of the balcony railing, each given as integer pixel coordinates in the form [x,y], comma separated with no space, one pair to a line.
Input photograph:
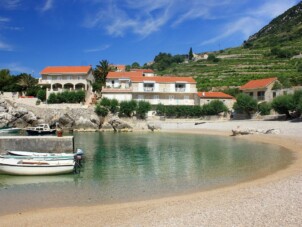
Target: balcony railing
[180,89]
[148,89]
[260,98]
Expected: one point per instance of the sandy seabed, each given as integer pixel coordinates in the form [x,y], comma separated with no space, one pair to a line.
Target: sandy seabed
[274,200]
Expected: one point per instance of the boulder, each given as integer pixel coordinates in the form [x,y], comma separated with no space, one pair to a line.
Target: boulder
[120,125]
[248,131]
[83,123]
[153,127]
[29,117]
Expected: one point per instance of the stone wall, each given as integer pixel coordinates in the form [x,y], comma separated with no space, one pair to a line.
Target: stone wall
[37,143]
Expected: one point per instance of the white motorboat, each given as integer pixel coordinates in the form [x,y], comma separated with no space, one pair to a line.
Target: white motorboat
[35,167]
[41,129]
[41,154]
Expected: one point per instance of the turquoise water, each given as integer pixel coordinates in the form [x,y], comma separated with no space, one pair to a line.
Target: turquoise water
[123,167]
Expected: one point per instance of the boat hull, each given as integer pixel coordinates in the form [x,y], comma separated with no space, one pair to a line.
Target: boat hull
[38,132]
[35,167]
[35,170]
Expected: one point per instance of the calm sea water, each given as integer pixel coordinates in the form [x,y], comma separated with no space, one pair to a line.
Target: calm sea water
[122,167]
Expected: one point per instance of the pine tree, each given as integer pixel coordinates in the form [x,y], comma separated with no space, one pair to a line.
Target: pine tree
[190,54]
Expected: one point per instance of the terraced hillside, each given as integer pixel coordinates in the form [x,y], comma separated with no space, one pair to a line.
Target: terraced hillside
[275,51]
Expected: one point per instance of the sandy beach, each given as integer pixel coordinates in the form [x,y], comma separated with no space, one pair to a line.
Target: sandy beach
[274,200]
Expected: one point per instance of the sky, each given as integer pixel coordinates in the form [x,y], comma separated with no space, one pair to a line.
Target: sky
[39,33]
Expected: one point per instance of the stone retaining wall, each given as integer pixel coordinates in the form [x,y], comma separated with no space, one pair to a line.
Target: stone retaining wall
[37,143]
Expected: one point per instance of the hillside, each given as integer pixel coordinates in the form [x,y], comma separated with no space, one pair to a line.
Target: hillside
[268,53]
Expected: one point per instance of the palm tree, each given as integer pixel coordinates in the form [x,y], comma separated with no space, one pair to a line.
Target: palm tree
[27,81]
[101,72]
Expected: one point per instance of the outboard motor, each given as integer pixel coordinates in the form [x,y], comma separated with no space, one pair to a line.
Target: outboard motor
[78,157]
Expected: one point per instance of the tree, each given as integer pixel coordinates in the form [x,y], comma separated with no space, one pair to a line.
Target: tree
[245,104]
[142,109]
[284,104]
[4,77]
[190,54]
[135,65]
[27,82]
[127,107]
[101,73]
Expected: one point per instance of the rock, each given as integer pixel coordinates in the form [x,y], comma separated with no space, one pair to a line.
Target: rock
[29,117]
[120,125]
[18,112]
[95,119]
[3,109]
[83,123]
[107,127]
[153,127]
[239,131]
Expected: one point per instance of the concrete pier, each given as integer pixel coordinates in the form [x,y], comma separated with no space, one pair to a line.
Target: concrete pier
[37,143]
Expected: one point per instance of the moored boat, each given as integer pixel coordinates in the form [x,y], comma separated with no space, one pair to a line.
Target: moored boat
[35,167]
[10,130]
[42,154]
[41,129]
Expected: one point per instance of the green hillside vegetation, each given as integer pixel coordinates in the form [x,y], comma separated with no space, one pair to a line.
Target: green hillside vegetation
[268,53]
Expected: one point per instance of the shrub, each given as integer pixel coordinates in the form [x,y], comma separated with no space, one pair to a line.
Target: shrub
[41,94]
[101,111]
[245,104]
[264,108]
[52,98]
[105,102]
[127,107]
[160,109]
[67,97]
[214,107]
[284,104]
[114,106]
[142,108]
[297,99]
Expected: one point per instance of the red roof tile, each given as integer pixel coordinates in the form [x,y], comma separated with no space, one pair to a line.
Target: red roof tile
[138,77]
[124,74]
[143,70]
[66,69]
[211,95]
[254,84]
[164,79]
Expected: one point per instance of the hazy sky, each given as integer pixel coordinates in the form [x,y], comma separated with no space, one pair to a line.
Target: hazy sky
[39,33]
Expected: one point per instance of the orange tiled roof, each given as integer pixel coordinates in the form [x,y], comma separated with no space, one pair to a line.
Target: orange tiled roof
[124,74]
[143,70]
[164,79]
[212,95]
[138,77]
[66,69]
[254,84]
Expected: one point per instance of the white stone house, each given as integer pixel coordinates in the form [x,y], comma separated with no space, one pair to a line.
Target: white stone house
[207,97]
[67,78]
[261,90]
[125,86]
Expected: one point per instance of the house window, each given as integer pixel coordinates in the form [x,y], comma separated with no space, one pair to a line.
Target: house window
[260,95]
[180,87]
[148,87]
[274,94]
[251,94]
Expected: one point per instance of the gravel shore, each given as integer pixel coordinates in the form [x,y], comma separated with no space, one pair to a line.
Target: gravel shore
[274,200]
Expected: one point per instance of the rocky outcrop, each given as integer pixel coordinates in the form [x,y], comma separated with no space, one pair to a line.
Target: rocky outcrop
[22,116]
[15,117]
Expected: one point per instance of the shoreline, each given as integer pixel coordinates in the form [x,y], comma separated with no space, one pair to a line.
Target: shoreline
[272,200]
